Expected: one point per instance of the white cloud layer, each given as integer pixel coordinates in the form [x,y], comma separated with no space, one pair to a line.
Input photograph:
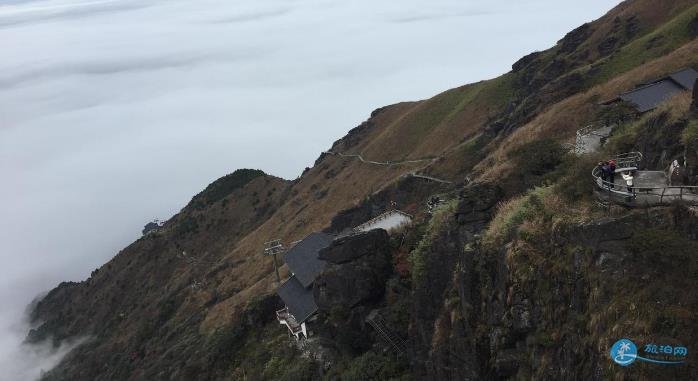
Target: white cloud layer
[115,112]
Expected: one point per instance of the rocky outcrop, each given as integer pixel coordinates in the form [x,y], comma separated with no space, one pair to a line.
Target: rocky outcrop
[357,269]
[501,312]
[525,61]
[477,203]
[407,194]
[575,38]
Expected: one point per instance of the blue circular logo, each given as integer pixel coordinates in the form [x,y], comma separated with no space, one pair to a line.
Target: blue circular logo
[624,352]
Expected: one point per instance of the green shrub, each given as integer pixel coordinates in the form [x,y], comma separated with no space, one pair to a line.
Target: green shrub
[186,226]
[689,136]
[575,182]
[417,256]
[538,157]
[372,366]
[535,164]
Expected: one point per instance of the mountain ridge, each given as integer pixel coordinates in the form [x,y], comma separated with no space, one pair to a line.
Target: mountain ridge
[167,306]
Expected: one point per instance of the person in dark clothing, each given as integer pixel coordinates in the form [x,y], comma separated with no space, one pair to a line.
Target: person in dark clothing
[612,172]
[605,173]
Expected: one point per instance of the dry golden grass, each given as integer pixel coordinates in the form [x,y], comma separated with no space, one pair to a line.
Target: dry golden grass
[504,219]
[468,111]
[677,107]
[562,120]
[529,213]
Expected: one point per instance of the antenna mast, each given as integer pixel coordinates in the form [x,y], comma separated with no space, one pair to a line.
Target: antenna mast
[272,248]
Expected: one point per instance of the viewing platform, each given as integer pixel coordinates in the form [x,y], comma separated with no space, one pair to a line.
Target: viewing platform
[650,188]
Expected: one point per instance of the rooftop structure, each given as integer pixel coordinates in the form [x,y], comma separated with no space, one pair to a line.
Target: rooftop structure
[297,292]
[301,302]
[302,258]
[389,221]
[648,96]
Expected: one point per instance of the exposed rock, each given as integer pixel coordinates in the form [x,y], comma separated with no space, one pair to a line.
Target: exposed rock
[525,61]
[352,247]
[575,38]
[357,269]
[608,45]
[477,202]
[632,27]
[407,193]
[514,313]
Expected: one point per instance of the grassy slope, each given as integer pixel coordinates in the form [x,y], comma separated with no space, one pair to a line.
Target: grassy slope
[446,124]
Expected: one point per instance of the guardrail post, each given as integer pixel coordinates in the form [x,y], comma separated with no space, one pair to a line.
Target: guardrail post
[661,197]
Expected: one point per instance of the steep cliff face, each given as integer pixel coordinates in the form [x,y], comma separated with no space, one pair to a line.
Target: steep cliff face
[518,275]
[141,310]
[549,301]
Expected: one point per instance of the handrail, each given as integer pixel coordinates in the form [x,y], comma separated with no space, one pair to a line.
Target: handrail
[631,159]
[663,193]
[589,129]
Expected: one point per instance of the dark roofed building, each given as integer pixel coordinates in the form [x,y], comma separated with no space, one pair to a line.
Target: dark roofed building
[302,259]
[649,96]
[298,299]
[297,292]
[686,78]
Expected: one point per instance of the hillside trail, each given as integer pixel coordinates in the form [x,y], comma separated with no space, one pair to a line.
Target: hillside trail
[402,162]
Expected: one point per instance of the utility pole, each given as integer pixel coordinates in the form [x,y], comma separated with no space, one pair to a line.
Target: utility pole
[272,248]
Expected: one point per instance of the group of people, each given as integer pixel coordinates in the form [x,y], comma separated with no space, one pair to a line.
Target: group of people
[608,175]
[608,172]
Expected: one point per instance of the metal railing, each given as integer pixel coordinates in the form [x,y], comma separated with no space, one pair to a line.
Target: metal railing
[669,194]
[580,143]
[628,160]
[386,334]
[284,317]
[648,195]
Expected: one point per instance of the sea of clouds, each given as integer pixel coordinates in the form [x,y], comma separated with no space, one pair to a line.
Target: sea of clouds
[115,112]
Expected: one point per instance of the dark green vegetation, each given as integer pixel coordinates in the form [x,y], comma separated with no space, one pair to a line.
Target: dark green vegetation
[222,187]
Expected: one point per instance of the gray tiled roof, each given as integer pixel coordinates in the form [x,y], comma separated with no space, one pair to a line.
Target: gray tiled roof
[303,260]
[648,97]
[686,78]
[298,299]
